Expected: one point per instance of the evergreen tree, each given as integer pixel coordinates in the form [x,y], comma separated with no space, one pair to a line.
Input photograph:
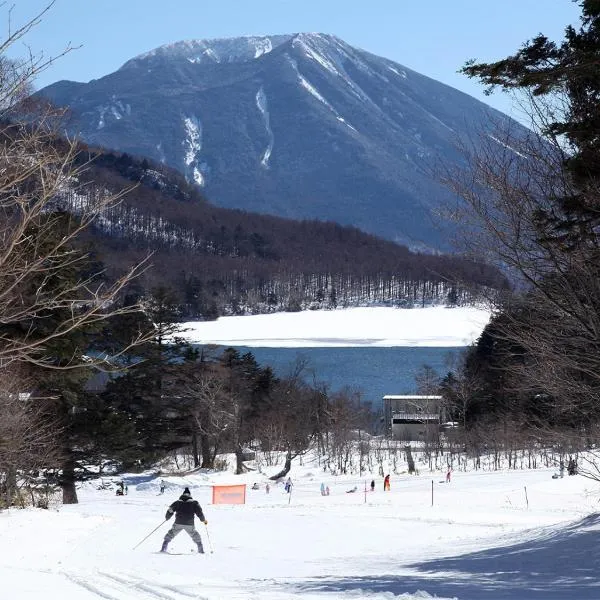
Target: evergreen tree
[567,76]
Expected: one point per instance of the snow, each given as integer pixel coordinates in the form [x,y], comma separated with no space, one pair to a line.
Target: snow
[219,50]
[489,535]
[510,534]
[193,139]
[261,103]
[326,52]
[505,145]
[192,144]
[314,92]
[262,46]
[399,73]
[364,326]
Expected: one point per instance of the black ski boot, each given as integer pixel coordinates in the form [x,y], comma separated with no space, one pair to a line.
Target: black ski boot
[164,546]
[200,548]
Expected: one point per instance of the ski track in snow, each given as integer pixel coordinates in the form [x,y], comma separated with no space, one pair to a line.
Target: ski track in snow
[111,586]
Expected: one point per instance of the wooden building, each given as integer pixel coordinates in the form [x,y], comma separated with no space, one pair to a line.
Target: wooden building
[413,418]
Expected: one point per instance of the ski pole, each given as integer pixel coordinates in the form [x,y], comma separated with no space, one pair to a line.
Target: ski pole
[208,538]
[149,534]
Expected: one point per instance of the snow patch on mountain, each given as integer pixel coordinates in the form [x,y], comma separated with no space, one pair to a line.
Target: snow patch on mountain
[314,92]
[192,144]
[261,103]
[319,48]
[507,146]
[220,50]
[399,73]
[262,46]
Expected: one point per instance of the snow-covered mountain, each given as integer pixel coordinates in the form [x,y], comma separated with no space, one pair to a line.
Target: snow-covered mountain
[303,126]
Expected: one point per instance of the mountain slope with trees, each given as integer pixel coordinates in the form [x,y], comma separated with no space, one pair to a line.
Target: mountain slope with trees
[302,126]
[224,261]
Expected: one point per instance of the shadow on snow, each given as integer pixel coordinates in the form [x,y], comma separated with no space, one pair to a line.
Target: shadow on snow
[552,565]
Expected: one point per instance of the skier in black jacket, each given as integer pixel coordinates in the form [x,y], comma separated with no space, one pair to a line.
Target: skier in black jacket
[184,509]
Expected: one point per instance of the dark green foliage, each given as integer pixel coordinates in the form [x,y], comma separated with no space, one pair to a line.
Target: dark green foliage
[570,72]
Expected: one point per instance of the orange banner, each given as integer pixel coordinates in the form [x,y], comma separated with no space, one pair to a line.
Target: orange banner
[229,494]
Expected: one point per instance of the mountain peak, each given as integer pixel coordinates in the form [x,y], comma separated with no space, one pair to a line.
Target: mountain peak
[232,50]
[302,125]
[216,50]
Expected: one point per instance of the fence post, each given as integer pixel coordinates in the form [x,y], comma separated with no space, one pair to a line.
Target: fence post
[526,498]
[432,492]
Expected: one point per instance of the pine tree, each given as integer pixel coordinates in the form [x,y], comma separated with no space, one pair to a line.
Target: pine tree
[565,77]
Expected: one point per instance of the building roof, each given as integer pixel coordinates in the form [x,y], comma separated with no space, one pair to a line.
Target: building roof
[411,397]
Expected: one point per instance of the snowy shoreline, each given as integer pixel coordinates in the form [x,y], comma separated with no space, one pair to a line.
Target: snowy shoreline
[348,327]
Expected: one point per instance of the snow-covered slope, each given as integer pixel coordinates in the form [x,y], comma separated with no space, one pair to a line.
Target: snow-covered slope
[504,535]
[300,125]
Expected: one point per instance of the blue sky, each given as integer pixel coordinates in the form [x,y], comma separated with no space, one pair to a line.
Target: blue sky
[434,37]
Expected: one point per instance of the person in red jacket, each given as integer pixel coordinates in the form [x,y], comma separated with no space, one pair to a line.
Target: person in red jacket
[184,509]
[386,483]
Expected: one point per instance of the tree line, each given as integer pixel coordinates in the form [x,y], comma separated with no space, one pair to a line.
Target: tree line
[223,261]
[535,370]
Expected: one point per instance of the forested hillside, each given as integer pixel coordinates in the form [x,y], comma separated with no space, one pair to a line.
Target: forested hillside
[225,261]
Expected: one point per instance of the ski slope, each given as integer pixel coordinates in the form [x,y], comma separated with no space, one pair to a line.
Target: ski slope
[509,535]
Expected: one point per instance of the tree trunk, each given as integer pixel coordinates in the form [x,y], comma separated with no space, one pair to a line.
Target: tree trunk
[207,456]
[239,460]
[286,467]
[10,485]
[195,449]
[67,482]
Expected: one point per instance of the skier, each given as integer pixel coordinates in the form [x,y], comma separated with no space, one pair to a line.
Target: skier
[322,489]
[372,485]
[386,483]
[184,509]
[288,485]
[162,486]
[448,475]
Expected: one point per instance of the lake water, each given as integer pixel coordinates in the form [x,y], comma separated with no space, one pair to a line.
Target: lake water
[375,371]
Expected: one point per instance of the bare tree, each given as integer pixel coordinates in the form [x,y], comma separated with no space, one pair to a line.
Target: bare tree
[28,436]
[510,193]
[38,181]
[47,291]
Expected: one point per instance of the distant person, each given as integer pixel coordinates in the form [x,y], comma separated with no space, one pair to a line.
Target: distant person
[322,489]
[448,475]
[386,483]
[267,487]
[255,486]
[327,490]
[372,485]
[184,510]
[288,485]
[162,486]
